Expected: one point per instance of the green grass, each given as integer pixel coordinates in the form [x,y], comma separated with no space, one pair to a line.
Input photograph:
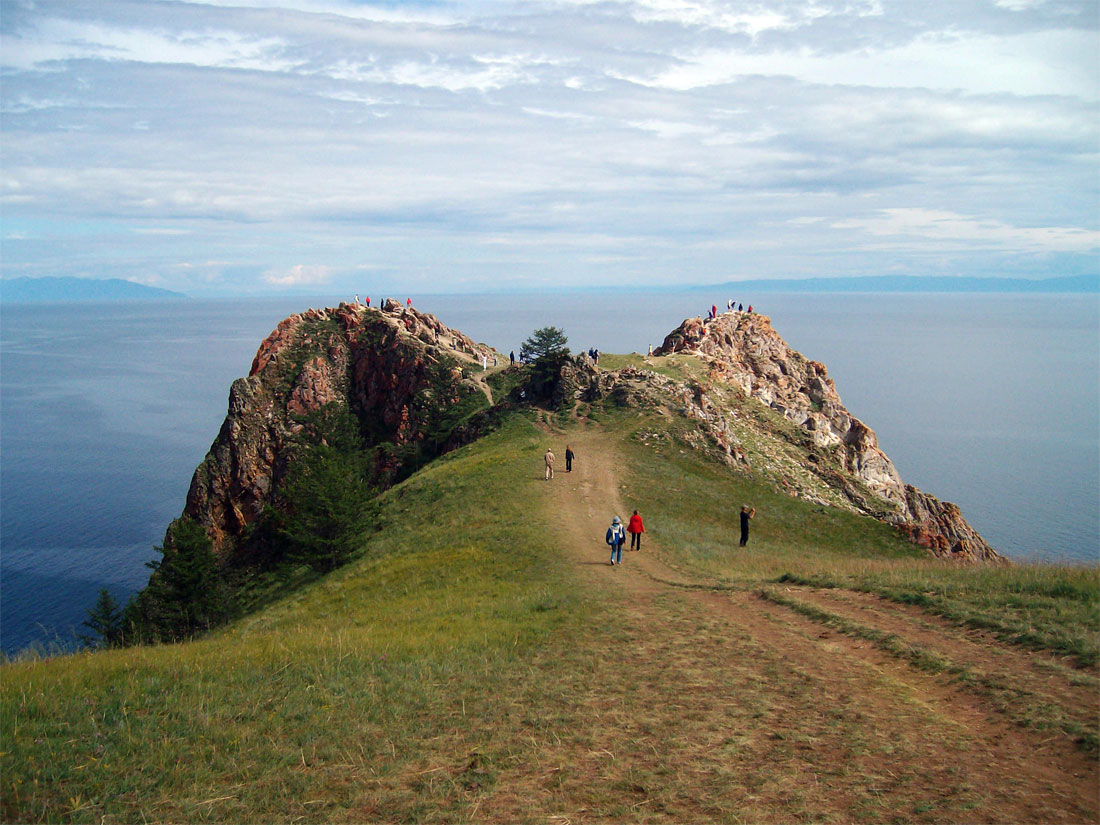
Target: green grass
[360,669]
[692,505]
[458,665]
[1042,607]
[1021,705]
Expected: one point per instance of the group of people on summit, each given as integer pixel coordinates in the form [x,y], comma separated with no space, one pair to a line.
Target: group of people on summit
[729,308]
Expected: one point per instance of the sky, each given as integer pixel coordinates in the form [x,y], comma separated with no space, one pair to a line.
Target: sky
[238,147]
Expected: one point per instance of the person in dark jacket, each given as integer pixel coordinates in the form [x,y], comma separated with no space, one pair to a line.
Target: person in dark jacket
[746,515]
[569,459]
[615,537]
[635,528]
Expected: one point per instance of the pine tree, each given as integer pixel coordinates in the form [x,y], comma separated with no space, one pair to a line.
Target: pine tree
[546,350]
[545,343]
[327,506]
[185,595]
[105,620]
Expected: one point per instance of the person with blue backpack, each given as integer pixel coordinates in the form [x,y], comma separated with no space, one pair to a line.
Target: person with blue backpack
[615,537]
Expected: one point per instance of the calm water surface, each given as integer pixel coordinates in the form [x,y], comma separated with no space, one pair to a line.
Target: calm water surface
[988,401]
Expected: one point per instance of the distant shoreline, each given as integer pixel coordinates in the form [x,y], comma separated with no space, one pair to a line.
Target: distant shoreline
[58,290]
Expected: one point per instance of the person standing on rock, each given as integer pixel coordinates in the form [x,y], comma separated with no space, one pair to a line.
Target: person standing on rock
[746,514]
[569,456]
[549,459]
[635,528]
[615,537]
[512,357]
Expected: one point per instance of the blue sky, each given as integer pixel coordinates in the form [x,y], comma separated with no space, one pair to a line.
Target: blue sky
[246,147]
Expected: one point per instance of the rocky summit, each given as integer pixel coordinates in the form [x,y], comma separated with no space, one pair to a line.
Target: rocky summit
[743,352]
[417,389]
[396,369]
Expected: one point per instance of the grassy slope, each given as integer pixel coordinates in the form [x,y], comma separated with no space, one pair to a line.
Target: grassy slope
[460,649]
[1045,607]
[360,670]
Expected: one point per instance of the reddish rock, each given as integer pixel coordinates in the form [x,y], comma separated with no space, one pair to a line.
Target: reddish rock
[367,360]
[745,351]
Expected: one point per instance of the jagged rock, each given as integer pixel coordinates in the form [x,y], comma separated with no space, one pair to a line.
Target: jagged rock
[743,350]
[763,408]
[377,363]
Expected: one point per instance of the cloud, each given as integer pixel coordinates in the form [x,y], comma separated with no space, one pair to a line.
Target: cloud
[1037,63]
[59,39]
[948,226]
[299,275]
[502,140]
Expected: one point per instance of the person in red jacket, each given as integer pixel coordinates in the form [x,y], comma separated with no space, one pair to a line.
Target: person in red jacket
[635,528]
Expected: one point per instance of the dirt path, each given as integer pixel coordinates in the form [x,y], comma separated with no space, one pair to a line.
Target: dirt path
[842,730]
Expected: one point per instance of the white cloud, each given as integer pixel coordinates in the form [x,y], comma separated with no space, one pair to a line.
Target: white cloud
[1037,63]
[948,226]
[57,39]
[299,275]
[544,138]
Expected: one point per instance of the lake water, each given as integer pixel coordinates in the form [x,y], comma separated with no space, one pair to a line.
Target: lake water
[989,401]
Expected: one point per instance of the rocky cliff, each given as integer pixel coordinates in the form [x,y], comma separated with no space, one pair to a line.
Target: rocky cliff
[397,370]
[414,384]
[744,353]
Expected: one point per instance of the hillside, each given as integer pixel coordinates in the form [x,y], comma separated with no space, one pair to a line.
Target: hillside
[415,385]
[479,660]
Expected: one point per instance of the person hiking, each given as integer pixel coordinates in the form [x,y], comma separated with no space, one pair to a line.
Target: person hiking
[635,528]
[569,456]
[549,458]
[512,357]
[746,514]
[615,537]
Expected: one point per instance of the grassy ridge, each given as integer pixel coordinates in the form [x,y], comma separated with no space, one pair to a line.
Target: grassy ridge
[460,648]
[287,714]
[694,504]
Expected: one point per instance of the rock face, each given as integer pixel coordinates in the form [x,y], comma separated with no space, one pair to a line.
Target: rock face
[742,350]
[397,370]
[763,408]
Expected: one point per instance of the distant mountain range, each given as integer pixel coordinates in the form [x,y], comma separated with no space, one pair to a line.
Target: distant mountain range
[78,290]
[915,283]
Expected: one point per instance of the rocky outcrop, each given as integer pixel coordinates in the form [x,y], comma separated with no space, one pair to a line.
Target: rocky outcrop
[397,370]
[743,351]
[762,407]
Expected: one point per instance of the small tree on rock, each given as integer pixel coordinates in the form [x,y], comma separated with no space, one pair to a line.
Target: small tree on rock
[546,343]
[547,350]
